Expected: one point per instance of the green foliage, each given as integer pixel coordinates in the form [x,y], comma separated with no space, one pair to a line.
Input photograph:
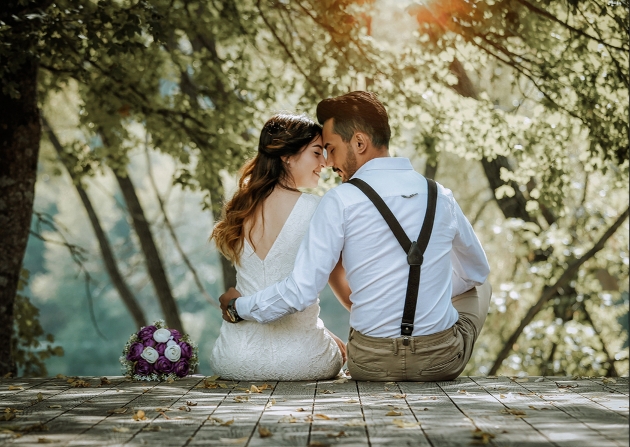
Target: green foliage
[31,345]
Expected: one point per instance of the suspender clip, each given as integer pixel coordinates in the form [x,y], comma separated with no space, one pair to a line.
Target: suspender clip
[414,256]
[406,329]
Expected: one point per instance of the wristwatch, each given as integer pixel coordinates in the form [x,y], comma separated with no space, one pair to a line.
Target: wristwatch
[232,313]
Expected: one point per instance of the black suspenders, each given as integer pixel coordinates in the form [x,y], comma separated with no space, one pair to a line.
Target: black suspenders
[414,250]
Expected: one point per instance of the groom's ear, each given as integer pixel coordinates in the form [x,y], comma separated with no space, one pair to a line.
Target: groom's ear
[360,142]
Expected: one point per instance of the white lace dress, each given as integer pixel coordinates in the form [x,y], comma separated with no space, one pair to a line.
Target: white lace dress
[295,347]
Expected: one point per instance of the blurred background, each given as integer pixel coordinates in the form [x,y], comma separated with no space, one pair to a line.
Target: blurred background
[519,107]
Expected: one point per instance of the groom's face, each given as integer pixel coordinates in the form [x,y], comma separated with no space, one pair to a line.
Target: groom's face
[341,156]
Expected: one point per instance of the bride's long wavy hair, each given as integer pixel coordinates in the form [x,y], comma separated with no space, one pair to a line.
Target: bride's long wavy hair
[283,135]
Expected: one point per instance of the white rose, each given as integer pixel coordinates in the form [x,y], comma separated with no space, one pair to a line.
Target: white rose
[173,353]
[171,342]
[162,335]
[150,354]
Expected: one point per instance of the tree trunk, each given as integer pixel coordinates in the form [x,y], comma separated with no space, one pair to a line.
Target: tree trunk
[20,131]
[108,256]
[155,266]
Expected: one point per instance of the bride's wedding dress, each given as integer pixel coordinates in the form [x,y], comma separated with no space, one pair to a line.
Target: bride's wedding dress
[295,347]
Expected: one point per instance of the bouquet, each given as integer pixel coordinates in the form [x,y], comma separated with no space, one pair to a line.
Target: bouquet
[159,353]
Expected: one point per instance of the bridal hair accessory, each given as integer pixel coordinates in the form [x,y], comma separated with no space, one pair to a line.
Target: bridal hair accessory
[158,353]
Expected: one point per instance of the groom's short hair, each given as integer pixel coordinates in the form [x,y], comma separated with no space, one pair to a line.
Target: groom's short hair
[356,112]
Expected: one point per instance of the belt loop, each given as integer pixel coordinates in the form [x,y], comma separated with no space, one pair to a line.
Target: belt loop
[395,341]
[350,334]
[413,345]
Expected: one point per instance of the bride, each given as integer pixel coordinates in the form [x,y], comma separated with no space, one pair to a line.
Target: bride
[261,230]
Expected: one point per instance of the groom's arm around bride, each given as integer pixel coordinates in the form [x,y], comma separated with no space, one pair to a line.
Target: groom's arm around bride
[419,298]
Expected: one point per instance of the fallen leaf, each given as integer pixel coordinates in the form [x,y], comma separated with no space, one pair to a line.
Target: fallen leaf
[567,385]
[337,435]
[462,391]
[428,398]
[105,381]
[355,423]
[492,377]
[234,440]
[139,416]
[518,413]
[60,376]
[40,397]
[300,409]
[190,403]
[327,392]
[15,388]
[290,419]
[342,380]
[323,416]
[536,408]
[520,379]
[607,380]
[114,411]
[401,423]
[269,404]
[502,396]
[264,432]
[121,429]
[184,408]
[152,427]
[254,389]
[264,387]
[241,399]
[46,441]
[481,437]
[351,401]
[399,396]
[79,383]
[393,413]
[54,406]
[7,375]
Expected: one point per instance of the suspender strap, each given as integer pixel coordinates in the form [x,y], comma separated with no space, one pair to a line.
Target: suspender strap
[415,250]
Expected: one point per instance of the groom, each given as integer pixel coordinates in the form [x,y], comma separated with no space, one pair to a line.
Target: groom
[417,308]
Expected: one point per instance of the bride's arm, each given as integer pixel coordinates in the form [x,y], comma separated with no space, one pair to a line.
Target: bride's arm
[339,285]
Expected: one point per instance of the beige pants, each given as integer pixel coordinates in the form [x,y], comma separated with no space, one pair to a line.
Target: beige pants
[435,357]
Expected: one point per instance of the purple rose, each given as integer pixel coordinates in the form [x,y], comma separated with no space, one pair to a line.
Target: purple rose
[181,368]
[146,332]
[176,335]
[134,351]
[160,348]
[186,350]
[164,365]
[149,343]
[143,368]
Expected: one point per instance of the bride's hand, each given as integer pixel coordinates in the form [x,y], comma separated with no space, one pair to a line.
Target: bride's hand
[342,346]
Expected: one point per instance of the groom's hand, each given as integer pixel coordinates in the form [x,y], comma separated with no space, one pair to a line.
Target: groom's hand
[225,300]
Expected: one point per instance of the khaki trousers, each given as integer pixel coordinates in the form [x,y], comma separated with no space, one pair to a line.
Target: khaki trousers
[426,358]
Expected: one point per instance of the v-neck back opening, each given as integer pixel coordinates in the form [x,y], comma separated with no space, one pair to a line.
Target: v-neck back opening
[249,244]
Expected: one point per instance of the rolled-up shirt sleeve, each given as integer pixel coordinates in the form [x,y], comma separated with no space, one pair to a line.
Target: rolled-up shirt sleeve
[470,265]
[317,256]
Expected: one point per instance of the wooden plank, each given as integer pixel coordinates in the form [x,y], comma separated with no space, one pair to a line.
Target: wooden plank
[118,428]
[617,384]
[435,411]
[286,421]
[560,427]
[19,386]
[575,402]
[341,403]
[491,416]
[389,419]
[234,419]
[50,413]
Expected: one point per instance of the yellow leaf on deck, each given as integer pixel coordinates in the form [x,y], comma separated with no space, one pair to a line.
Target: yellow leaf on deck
[15,388]
[355,423]
[393,413]
[264,432]
[40,397]
[121,429]
[502,396]
[462,391]
[481,437]
[351,401]
[184,408]
[234,440]
[399,396]
[45,441]
[290,419]
[254,389]
[607,380]
[518,413]
[401,423]
[323,416]
[300,409]
[327,392]
[152,428]
[190,403]
[60,376]
[139,416]
[54,406]
[105,381]
[241,399]
[264,387]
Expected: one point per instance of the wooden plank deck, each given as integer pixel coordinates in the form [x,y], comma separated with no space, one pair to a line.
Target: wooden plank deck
[198,411]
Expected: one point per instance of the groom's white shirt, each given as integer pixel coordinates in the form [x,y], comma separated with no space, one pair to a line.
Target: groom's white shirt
[346,222]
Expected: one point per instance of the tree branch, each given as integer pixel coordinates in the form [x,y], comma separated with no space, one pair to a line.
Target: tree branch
[550,291]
